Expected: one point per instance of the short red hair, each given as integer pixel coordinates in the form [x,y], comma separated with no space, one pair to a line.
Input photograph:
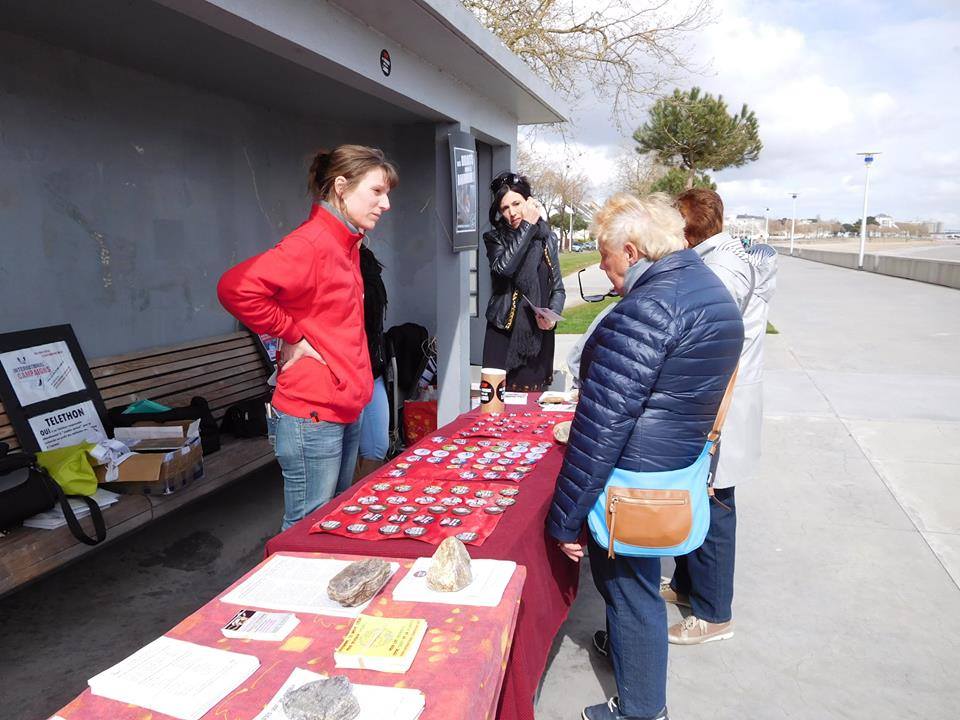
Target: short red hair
[702,212]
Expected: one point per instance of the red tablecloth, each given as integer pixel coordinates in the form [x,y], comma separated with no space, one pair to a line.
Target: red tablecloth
[548,592]
[465,648]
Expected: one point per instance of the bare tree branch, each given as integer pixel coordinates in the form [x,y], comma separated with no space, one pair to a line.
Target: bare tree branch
[628,50]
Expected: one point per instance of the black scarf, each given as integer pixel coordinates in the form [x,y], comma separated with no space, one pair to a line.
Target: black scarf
[525,334]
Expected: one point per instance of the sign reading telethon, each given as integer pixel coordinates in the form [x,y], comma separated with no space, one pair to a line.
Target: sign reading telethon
[47,389]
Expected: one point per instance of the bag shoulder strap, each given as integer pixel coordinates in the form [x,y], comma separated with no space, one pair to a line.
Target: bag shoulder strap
[714,434]
[99,526]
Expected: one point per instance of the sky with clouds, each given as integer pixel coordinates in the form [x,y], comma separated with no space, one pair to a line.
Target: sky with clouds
[827,79]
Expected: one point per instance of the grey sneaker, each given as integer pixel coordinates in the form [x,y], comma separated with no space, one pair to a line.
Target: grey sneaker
[610,711]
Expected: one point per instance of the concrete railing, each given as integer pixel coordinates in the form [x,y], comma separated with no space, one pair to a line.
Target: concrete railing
[936,272]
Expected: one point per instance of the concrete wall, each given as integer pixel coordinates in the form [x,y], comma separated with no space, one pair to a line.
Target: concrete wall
[123,197]
[936,272]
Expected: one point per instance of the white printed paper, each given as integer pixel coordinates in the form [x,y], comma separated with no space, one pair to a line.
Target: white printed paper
[68,426]
[376,702]
[295,584]
[490,579]
[545,313]
[42,372]
[515,398]
[179,678]
[260,625]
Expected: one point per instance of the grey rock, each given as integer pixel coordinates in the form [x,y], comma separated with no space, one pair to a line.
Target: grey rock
[450,570]
[330,699]
[358,582]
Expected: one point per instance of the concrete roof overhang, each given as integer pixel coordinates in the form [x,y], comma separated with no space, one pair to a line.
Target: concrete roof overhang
[312,57]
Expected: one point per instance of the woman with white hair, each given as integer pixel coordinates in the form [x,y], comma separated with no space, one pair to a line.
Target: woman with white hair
[652,375]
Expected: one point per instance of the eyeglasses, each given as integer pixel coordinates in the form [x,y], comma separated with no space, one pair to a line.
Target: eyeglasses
[504,179]
[593,298]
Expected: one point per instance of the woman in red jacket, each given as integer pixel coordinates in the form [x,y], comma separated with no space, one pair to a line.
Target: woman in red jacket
[308,291]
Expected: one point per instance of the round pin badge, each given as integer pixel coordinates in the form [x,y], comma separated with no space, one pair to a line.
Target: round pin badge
[460,490]
[437,439]
[451,501]
[402,488]
[510,492]
[413,458]
[493,510]
[398,518]
[352,509]
[433,490]
[434,460]
[425,500]
[330,524]
[389,529]
[476,502]
[491,475]
[424,519]
[372,517]
[451,522]
[403,465]
[407,509]
[367,499]
[468,475]
[506,502]
[461,511]
[466,537]
[356,528]
[437,509]
[380,487]
[422,452]
[393,473]
[415,532]
[484,493]
[440,453]
[396,500]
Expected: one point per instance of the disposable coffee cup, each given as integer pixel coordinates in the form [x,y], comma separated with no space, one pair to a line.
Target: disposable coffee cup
[493,384]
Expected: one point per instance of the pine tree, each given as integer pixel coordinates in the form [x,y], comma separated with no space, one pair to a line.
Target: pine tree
[693,130]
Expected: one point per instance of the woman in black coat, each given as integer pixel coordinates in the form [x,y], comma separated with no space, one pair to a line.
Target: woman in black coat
[523,255]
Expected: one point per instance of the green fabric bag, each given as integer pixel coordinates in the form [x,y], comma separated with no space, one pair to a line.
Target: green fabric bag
[70,467]
[145,406]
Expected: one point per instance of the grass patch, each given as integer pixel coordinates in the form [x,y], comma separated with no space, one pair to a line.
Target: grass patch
[577,319]
[771,330]
[571,262]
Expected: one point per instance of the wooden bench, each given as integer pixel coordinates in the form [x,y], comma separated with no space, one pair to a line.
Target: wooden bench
[224,369]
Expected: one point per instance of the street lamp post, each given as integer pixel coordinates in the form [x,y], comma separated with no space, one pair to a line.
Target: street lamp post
[793,221]
[867,162]
[766,223]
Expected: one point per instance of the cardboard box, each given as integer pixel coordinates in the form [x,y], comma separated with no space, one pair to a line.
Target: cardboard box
[154,469]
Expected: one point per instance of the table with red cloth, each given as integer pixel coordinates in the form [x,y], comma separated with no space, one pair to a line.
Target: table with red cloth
[464,647]
[520,535]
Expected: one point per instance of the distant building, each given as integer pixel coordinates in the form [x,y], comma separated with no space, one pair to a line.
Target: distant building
[751,226]
[885,221]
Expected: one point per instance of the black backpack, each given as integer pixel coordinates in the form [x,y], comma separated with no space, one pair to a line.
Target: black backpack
[247,419]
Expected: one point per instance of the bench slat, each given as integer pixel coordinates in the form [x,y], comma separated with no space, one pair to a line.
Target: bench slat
[150,367]
[182,380]
[165,349]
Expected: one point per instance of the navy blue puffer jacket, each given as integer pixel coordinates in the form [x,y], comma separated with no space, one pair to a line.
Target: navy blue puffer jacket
[653,373]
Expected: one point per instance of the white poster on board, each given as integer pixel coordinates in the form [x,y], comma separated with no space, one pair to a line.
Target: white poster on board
[68,426]
[42,372]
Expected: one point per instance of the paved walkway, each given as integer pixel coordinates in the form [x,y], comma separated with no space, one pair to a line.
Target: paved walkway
[594,282]
[849,547]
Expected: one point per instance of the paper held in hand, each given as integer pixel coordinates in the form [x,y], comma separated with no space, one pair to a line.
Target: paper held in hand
[545,313]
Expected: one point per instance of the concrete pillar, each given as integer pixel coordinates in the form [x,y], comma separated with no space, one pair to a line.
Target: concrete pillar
[452,290]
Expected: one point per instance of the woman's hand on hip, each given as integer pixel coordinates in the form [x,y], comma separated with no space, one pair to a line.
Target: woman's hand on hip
[574,551]
[291,354]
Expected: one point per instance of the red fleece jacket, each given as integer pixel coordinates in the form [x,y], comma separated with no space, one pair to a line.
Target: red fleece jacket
[309,286]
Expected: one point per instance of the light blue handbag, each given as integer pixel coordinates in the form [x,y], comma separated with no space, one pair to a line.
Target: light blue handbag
[656,514]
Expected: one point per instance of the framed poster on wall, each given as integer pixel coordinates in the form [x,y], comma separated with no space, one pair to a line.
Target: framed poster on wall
[463,169]
[47,389]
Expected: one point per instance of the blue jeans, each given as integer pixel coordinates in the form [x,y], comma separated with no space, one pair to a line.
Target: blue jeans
[375,424]
[706,574]
[317,460]
[637,627]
